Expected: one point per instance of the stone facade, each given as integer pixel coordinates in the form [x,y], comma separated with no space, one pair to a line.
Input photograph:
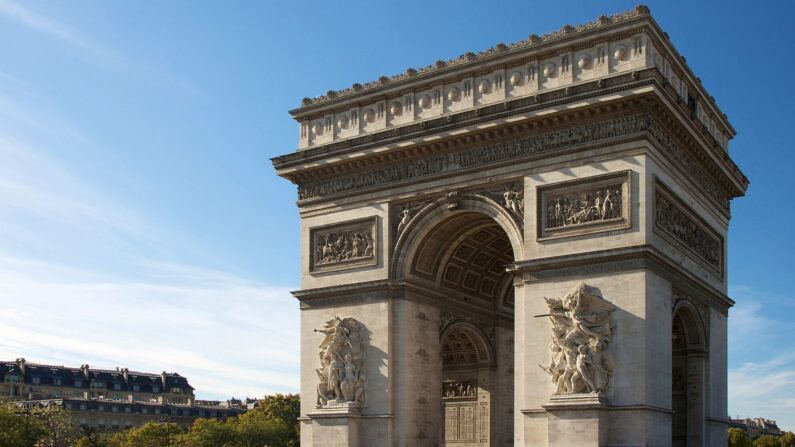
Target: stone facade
[440,208]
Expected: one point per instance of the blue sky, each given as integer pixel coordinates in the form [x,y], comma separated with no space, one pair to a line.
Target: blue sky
[141,222]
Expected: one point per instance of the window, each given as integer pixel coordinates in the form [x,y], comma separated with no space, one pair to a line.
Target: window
[206,414]
[77,394]
[98,385]
[144,410]
[68,406]
[114,408]
[56,393]
[101,408]
[117,386]
[83,422]
[117,397]
[157,411]
[83,406]
[36,380]
[127,409]
[114,424]
[136,388]
[176,390]
[78,383]
[155,389]
[127,424]
[13,378]
[101,423]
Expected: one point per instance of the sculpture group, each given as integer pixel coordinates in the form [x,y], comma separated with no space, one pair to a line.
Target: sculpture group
[341,360]
[584,207]
[344,246]
[581,331]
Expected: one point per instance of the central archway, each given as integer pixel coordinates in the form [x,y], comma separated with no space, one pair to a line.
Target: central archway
[461,256]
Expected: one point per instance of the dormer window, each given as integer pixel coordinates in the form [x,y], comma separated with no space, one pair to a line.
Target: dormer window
[136,388]
[78,383]
[56,381]
[13,378]
[117,386]
[36,380]
[155,389]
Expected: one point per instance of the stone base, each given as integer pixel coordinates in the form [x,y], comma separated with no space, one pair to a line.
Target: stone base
[577,420]
[336,425]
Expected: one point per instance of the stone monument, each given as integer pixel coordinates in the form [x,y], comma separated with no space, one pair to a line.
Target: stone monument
[524,246]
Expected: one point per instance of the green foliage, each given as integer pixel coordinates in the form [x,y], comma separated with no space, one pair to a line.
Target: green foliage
[767,441]
[788,440]
[19,429]
[60,431]
[738,438]
[209,433]
[152,434]
[285,408]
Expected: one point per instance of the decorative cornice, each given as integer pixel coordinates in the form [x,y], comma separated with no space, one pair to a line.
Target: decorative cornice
[637,257]
[470,58]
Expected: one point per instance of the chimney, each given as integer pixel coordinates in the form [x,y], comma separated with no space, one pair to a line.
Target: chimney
[125,373]
[21,365]
[163,378]
[85,370]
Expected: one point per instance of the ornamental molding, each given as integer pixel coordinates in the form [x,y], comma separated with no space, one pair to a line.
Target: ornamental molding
[594,51]
[520,149]
[471,58]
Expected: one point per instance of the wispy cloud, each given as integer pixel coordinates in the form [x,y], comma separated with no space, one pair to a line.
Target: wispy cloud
[102,55]
[60,31]
[220,333]
[761,362]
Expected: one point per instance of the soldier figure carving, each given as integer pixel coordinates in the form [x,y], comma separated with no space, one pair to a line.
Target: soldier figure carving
[341,361]
[581,327]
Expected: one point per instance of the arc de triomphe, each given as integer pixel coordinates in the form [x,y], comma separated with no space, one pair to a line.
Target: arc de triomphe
[523,246]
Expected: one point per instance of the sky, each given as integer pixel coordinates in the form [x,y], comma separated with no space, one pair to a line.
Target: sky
[142,224]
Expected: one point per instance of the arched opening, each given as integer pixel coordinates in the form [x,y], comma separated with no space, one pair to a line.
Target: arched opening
[466,364]
[688,373]
[460,257]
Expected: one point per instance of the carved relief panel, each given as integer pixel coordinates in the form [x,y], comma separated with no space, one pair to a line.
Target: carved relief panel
[680,225]
[344,245]
[590,205]
[582,330]
[340,375]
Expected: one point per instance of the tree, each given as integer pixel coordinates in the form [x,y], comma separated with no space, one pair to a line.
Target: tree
[286,408]
[257,429]
[60,431]
[18,427]
[209,433]
[788,440]
[767,441]
[738,438]
[152,434]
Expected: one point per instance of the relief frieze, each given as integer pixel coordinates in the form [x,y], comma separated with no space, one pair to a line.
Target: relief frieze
[589,205]
[514,150]
[678,223]
[347,244]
